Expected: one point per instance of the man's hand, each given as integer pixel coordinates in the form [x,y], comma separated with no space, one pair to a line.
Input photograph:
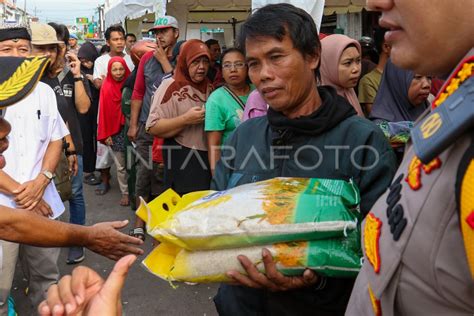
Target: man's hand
[105,240]
[161,54]
[85,292]
[42,209]
[272,280]
[73,165]
[28,194]
[74,64]
[194,115]
[132,132]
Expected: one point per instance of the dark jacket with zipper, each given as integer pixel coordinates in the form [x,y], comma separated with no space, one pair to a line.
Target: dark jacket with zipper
[330,143]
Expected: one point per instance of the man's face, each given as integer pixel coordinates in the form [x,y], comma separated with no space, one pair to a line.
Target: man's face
[72,42]
[427,36]
[15,48]
[5,129]
[281,74]
[215,52]
[116,42]
[50,51]
[130,41]
[167,37]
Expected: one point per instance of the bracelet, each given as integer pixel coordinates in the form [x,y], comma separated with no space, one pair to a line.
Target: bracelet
[70,153]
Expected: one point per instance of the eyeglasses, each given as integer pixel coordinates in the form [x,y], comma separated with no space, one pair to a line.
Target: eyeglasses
[237,65]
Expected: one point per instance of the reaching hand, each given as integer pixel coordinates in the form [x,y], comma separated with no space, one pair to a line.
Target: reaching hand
[272,280]
[107,241]
[85,292]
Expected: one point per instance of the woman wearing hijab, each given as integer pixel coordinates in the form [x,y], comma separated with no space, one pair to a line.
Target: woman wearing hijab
[400,100]
[225,107]
[341,66]
[177,114]
[111,119]
[88,122]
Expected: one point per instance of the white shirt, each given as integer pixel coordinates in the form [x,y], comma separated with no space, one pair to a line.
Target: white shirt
[101,64]
[35,122]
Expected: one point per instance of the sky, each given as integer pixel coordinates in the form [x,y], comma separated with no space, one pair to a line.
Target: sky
[61,11]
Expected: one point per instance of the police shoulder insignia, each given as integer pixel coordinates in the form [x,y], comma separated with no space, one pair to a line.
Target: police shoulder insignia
[375,303]
[415,168]
[465,196]
[372,230]
[19,76]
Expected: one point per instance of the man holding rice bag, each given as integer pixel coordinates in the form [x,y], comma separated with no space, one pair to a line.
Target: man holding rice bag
[309,132]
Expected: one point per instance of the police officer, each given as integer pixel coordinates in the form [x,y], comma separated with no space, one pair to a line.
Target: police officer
[418,240]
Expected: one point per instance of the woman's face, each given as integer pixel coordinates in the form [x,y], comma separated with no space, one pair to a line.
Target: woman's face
[117,71]
[234,69]
[349,67]
[198,69]
[86,63]
[419,89]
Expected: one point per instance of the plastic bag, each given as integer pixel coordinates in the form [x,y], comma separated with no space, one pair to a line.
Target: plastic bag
[334,257]
[261,213]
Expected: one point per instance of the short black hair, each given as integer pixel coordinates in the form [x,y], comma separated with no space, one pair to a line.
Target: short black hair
[130,35]
[231,50]
[211,42]
[114,28]
[379,38]
[62,33]
[278,20]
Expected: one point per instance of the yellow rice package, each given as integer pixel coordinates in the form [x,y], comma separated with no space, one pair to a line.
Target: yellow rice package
[260,213]
[334,257]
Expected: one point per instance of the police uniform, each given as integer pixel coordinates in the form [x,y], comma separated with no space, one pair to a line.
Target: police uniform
[418,240]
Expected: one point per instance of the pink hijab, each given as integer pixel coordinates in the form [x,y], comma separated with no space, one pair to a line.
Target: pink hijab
[332,48]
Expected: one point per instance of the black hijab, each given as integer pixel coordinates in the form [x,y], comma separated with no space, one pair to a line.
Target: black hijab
[88,52]
[391,103]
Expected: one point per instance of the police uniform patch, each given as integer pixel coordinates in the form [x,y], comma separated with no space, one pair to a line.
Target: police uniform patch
[415,168]
[464,72]
[19,76]
[372,230]
[465,198]
[375,303]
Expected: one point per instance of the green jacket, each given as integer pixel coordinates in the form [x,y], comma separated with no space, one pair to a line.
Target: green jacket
[261,149]
[254,158]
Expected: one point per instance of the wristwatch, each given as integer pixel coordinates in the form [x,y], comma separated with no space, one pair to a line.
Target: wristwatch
[48,174]
[79,78]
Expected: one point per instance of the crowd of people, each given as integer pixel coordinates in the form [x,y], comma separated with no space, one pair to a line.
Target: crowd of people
[284,102]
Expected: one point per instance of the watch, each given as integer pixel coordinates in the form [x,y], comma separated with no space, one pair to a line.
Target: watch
[48,174]
[79,79]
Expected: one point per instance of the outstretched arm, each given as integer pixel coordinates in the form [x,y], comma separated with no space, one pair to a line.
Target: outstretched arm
[24,227]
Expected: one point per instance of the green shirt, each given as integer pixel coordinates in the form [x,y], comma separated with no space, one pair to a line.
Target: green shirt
[369,85]
[223,113]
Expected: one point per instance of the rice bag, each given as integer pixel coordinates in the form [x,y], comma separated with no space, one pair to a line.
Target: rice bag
[334,257]
[261,213]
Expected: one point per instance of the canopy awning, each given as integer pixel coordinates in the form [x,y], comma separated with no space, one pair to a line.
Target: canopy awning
[343,6]
[130,9]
